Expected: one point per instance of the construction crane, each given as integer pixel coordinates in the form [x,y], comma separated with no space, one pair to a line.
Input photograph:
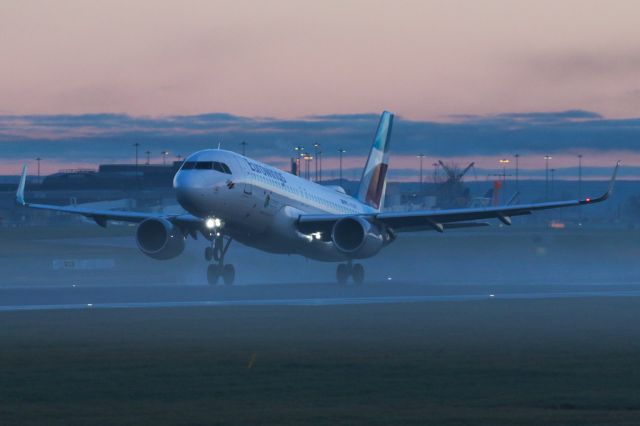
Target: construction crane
[451,193]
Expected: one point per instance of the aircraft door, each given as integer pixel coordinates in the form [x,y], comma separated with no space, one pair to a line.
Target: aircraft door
[271,203]
[247,188]
[244,203]
[246,182]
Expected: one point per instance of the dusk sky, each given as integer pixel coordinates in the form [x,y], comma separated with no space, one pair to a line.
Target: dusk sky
[458,63]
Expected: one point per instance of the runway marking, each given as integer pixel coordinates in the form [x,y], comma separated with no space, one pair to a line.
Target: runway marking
[321,301]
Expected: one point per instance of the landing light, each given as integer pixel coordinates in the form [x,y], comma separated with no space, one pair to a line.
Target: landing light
[212,222]
[314,236]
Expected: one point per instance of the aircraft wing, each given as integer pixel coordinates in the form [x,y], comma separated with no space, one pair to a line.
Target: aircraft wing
[101,217]
[439,220]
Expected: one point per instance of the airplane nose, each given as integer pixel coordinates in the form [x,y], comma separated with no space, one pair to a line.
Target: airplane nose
[188,195]
[185,197]
[198,193]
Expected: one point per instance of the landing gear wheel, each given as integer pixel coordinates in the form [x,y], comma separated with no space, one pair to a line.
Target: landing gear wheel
[357,273]
[217,270]
[228,274]
[342,273]
[213,273]
[208,254]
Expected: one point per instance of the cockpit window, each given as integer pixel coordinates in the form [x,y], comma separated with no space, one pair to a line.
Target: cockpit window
[204,165]
[226,168]
[207,165]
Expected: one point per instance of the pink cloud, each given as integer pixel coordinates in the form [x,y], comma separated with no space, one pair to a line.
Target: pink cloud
[294,58]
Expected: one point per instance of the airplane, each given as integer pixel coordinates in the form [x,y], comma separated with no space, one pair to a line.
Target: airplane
[229,197]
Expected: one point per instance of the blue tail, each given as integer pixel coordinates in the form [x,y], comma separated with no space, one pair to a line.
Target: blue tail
[374,177]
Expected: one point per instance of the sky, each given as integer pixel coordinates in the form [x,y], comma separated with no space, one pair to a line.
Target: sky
[442,66]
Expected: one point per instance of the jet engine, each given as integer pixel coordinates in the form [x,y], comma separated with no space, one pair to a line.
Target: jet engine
[358,238]
[159,239]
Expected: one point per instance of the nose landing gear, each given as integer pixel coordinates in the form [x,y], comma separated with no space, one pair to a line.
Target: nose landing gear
[355,270]
[219,269]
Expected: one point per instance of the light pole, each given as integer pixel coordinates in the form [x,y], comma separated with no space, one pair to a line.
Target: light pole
[298,149]
[38,160]
[148,157]
[164,157]
[307,159]
[552,181]
[301,164]
[421,157]
[320,161]
[517,173]
[579,176]
[317,149]
[504,162]
[137,144]
[244,147]
[546,176]
[341,151]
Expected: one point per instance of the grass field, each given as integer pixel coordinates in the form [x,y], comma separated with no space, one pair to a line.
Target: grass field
[552,362]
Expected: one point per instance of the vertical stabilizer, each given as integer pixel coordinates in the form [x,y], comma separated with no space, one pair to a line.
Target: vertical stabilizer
[374,177]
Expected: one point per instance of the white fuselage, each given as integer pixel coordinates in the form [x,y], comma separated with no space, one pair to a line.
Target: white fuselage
[258,205]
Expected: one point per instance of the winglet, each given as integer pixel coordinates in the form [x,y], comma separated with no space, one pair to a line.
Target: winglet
[20,192]
[607,194]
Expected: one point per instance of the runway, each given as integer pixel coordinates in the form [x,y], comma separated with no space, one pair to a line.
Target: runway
[76,297]
[429,350]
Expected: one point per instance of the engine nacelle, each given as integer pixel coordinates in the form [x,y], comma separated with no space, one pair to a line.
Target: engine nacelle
[358,238]
[159,239]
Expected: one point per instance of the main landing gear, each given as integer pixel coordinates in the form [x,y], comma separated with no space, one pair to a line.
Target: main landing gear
[218,269]
[355,270]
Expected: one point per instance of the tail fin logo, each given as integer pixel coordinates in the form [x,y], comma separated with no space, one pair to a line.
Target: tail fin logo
[377,185]
[374,177]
